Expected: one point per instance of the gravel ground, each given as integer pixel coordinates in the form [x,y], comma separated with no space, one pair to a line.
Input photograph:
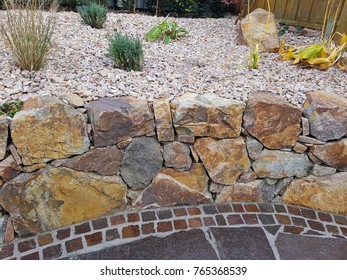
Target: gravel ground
[209,60]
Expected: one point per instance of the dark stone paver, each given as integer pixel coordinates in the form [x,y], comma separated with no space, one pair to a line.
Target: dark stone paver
[298,247]
[242,244]
[184,245]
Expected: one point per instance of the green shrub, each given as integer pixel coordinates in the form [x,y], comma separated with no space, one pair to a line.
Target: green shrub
[126,52]
[11,108]
[73,4]
[28,32]
[93,14]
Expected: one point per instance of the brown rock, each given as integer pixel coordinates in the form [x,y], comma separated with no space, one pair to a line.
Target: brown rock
[239,192]
[125,143]
[117,119]
[194,154]
[56,197]
[14,153]
[327,114]
[105,161]
[216,188]
[333,154]
[328,193]
[47,129]
[299,148]
[9,169]
[73,99]
[186,139]
[247,177]
[207,115]
[176,155]
[224,160]
[309,140]
[3,136]
[272,120]
[32,168]
[163,120]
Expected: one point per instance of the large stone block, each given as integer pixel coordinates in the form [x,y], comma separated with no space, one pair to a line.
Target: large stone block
[3,136]
[224,159]
[207,115]
[328,193]
[279,164]
[272,120]
[176,155]
[327,115]
[117,119]
[47,129]
[58,197]
[163,120]
[242,192]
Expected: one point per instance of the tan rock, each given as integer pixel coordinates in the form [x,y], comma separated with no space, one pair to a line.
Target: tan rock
[34,167]
[272,120]
[299,148]
[56,197]
[328,193]
[73,99]
[47,129]
[194,154]
[224,159]
[242,192]
[163,120]
[3,136]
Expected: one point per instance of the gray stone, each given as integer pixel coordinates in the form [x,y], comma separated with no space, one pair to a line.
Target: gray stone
[142,162]
[14,153]
[254,148]
[310,140]
[176,155]
[281,185]
[305,126]
[320,170]
[3,136]
[270,181]
[247,177]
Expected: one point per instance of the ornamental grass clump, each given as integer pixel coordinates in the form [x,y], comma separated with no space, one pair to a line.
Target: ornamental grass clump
[126,52]
[28,31]
[93,14]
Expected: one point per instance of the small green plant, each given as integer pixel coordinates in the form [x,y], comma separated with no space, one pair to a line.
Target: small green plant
[126,52]
[167,29]
[11,108]
[93,14]
[28,32]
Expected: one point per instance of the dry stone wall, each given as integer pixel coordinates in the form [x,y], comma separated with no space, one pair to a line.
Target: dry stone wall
[63,161]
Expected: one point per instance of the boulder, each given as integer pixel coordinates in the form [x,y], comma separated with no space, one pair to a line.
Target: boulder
[47,129]
[142,161]
[327,115]
[9,169]
[105,161]
[259,27]
[242,192]
[333,154]
[163,120]
[3,136]
[280,164]
[224,159]
[273,121]
[207,115]
[56,197]
[73,99]
[117,119]
[328,193]
[176,155]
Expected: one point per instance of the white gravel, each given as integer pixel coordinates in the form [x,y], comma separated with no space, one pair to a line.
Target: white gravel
[209,60]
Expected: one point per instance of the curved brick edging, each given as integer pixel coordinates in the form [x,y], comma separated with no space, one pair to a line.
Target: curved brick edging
[122,228]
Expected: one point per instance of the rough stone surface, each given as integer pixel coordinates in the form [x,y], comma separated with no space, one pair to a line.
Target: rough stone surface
[166,191]
[142,162]
[34,167]
[163,120]
[247,177]
[47,129]
[207,115]
[9,169]
[3,136]
[299,148]
[279,164]
[328,193]
[327,114]
[333,154]
[272,120]
[305,126]
[105,161]
[176,155]
[310,141]
[117,119]
[242,192]
[320,170]
[14,153]
[73,99]
[254,148]
[55,197]
[259,28]
[224,160]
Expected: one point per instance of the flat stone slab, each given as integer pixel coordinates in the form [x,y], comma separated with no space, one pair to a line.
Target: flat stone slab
[184,245]
[242,244]
[298,247]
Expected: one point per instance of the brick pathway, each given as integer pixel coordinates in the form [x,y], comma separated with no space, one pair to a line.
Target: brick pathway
[227,231]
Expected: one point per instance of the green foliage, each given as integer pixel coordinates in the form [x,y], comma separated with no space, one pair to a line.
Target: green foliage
[126,52]
[93,14]
[166,29]
[73,4]
[11,108]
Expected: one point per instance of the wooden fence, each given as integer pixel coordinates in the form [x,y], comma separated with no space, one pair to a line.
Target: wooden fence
[308,13]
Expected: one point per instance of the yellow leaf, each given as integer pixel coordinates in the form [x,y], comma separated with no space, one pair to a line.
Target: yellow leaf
[343,39]
[318,60]
[311,51]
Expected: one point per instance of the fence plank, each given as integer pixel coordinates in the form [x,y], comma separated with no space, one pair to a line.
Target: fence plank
[280,8]
[291,9]
[304,10]
[342,22]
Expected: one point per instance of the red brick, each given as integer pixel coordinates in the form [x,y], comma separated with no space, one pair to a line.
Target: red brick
[180,224]
[164,214]
[250,219]
[194,211]
[83,228]
[117,220]
[26,245]
[325,217]
[99,223]
[148,216]
[133,217]
[316,225]
[235,220]
[112,234]
[309,213]
[194,222]
[341,220]
[332,229]
[210,209]
[179,212]
[208,221]
[6,251]
[32,256]
[52,252]
[251,208]
[224,208]
[147,228]
[45,239]
[344,231]
[63,233]
[74,245]
[294,210]
[131,231]
[293,229]
[266,208]
[280,208]
[93,239]
[220,220]
[266,219]
[164,227]
[238,208]
[283,219]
